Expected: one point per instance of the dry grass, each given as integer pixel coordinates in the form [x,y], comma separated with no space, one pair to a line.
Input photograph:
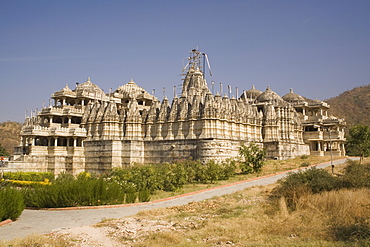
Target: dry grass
[35,241]
[337,218]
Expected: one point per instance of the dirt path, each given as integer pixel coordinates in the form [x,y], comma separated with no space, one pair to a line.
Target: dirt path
[47,221]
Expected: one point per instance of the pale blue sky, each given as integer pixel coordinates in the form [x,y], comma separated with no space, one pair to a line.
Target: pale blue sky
[318,48]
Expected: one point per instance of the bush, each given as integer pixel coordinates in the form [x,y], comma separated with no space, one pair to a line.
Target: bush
[304,156]
[68,191]
[11,203]
[356,175]
[131,194]
[229,167]
[171,177]
[252,158]
[304,182]
[305,164]
[124,185]
[144,195]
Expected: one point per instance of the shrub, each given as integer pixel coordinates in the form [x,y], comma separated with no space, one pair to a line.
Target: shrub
[305,164]
[144,195]
[252,158]
[229,168]
[295,185]
[68,191]
[356,175]
[131,194]
[304,156]
[213,171]
[11,203]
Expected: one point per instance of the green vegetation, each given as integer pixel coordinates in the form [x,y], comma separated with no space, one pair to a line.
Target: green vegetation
[310,181]
[358,141]
[3,151]
[252,158]
[11,203]
[118,186]
[70,191]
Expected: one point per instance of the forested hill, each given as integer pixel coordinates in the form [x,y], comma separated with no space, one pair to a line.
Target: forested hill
[352,105]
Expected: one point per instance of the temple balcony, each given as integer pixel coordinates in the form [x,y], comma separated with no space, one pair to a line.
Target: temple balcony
[313,135]
[334,135]
[53,131]
[63,110]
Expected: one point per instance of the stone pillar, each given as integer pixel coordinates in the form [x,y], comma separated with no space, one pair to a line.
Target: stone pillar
[55,141]
[170,135]
[180,133]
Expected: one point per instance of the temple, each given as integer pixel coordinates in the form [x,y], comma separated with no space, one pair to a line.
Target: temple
[85,129]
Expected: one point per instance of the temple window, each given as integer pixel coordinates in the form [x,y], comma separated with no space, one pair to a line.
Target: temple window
[58,120]
[310,128]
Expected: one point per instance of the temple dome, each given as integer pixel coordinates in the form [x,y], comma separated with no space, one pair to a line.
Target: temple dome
[132,90]
[252,93]
[269,96]
[89,87]
[292,97]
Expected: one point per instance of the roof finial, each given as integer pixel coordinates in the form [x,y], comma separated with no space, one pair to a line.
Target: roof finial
[88,79]
[291,90]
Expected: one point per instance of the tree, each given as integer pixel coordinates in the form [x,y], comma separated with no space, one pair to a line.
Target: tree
[358,142]
[253,158]
[3,151]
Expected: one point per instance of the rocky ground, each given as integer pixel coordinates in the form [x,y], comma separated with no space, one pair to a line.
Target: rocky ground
[123,232]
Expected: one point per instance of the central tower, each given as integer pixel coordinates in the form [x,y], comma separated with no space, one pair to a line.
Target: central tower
[194,81]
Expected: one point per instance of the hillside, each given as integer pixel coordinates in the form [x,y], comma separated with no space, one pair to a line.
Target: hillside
[352,105]
[9,135]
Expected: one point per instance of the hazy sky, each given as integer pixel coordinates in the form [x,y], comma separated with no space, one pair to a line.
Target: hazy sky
[318,48]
